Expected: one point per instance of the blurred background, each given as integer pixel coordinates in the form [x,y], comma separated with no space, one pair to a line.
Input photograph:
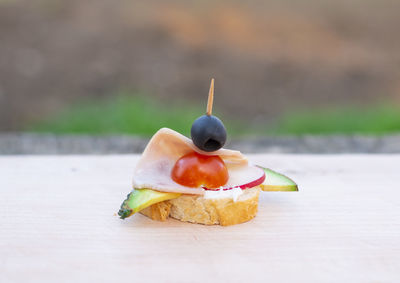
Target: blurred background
[130,67]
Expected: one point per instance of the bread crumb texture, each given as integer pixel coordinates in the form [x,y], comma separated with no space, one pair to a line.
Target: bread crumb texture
[197,209]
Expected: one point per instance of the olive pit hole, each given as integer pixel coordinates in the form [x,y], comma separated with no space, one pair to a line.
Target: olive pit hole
[212,144]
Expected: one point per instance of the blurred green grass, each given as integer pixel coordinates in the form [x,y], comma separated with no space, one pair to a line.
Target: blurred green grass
[123,114]
[378,119]
[139,115]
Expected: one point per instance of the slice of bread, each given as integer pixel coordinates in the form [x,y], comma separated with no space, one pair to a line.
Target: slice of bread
[209,211]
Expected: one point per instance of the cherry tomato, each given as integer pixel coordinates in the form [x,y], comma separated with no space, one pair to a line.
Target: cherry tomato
[196,170]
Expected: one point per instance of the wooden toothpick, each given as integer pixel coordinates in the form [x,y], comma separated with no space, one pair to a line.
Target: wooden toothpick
[210,98]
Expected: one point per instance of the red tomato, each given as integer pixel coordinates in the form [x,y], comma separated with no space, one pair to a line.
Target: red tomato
[196,170]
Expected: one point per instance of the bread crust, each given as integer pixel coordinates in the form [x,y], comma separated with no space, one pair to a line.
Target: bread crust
[212,211]
[158,211]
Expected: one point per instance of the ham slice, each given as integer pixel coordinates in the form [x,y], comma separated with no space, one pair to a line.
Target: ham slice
[153,171]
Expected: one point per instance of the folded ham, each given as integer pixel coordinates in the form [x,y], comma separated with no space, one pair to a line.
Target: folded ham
[153,171]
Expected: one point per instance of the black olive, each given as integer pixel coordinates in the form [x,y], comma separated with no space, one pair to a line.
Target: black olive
[208,133]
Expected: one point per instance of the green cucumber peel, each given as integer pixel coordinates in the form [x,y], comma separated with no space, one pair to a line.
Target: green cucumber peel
[139,199]
[277,182]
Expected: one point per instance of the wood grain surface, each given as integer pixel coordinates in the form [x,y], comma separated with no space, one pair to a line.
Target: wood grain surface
[58,224]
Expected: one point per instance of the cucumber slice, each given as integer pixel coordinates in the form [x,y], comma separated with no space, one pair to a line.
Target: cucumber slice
[140,199]
[276,182]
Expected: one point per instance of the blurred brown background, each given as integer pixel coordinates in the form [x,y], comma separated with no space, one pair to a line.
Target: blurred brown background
[268,57]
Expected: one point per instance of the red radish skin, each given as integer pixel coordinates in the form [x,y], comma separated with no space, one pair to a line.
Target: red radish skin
[252,184]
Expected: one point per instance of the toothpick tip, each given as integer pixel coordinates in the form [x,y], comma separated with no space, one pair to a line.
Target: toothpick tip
[210,98]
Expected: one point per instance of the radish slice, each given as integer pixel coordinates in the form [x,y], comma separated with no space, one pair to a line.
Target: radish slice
[246,176]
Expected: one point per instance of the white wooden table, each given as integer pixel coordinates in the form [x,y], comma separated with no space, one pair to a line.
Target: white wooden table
[58,224]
